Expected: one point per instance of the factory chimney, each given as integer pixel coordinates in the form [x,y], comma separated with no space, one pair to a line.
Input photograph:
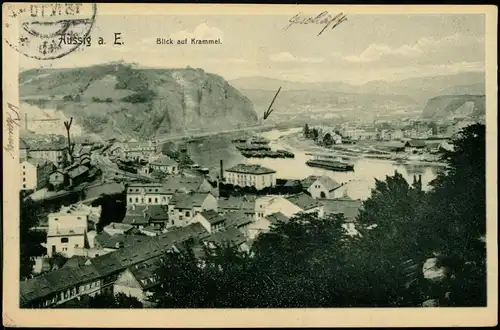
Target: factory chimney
[221,170]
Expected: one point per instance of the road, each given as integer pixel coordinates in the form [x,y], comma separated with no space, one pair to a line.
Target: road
[164,138]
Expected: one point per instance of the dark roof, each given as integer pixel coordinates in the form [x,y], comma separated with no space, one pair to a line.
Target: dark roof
[157,213]
[250,169]
[188,201]
[277,217]
[304,201]
[145,272]
[415,143]
[213,217]
[349,207]
[237,203]
[47,146]
[22,144]
[164,161]
[170,186]
[307,182]
[73,173]
[55,281]
[137,216]
[230,236]
[75,261]
[136,249]
[237,219]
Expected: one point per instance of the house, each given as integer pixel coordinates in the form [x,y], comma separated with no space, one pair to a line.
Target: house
[157,216]
[23,149]
[239,220]
[99,274]
[322,187]
[397,134]
[245,175]
[148,194]
[183,207]
[263,225]
[35,173]
[414,145]
[64,240]
[137,279]
[76,214]
[210,220]
[68,228]
[290,205]
[230,236]
[136,216]
[165,164]
[446,146]
[77,174]
[58,179]
[139,150]
[53,152]
[160,193]
[245,204]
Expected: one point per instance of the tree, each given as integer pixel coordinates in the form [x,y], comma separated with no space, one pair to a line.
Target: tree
[455,219]
[30,240]
[389,249]
[327,139]
[119,300]
[306,131]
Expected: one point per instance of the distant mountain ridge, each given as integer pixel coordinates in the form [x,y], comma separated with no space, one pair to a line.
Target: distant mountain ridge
[371,98]
[117,98]
[419,88]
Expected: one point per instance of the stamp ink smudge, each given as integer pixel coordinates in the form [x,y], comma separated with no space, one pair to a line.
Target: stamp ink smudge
[43,25]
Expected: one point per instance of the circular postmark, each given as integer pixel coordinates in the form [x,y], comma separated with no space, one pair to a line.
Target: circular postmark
[48,31]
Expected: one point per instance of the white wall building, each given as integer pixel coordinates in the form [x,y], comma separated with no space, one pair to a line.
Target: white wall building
[68,228]
[245,175]
[35,173]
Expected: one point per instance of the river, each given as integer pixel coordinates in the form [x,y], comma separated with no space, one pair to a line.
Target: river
[358,183]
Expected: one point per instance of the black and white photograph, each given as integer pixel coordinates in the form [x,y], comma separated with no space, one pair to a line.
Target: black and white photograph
[287,157]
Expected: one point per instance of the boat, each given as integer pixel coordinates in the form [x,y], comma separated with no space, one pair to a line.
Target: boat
[330,162]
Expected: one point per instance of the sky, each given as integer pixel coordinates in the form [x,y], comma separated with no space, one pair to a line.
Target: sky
[363,48]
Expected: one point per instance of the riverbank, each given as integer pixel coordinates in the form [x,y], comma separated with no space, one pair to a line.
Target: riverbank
[353,152]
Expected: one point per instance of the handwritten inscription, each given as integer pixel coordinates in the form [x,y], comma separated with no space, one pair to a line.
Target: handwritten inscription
[323,18]
[11,123]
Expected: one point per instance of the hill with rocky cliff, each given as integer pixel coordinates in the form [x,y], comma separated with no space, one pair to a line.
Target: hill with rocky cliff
[118,98]
[455,106]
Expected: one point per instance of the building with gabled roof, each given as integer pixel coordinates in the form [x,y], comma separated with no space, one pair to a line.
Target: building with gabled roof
[210,220]
[322,187]
[183,207]
[165,164]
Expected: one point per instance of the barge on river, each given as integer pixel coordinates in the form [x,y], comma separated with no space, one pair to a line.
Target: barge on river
[330,162]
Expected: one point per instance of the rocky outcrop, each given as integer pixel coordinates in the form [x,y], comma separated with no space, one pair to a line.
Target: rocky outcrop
[118,98]
[452,106]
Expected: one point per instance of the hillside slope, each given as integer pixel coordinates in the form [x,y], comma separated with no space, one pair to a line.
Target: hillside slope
[451,106]
[122,99]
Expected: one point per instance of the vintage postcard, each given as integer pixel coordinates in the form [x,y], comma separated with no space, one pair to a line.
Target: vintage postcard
[171,165]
